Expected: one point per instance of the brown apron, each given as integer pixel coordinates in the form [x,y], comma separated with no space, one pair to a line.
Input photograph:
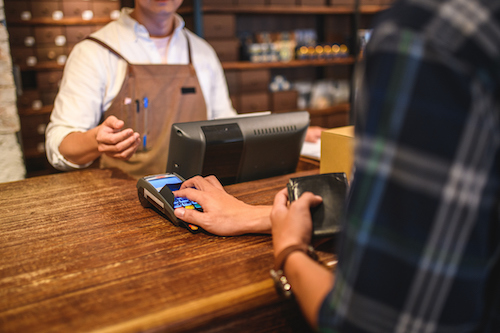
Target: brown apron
[151,99]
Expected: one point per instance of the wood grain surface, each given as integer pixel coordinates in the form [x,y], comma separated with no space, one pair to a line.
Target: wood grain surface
[79,253]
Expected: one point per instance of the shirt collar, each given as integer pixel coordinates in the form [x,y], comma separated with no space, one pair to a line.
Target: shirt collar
[140,31]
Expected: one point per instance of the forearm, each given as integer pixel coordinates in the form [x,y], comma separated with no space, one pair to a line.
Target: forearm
[310,283]
[257,220]
[80,147]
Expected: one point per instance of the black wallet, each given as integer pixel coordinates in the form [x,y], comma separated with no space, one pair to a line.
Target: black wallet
[332,187]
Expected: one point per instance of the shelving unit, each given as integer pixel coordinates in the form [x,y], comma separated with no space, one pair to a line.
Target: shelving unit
[321,18]
[247,65]
[276,9]
[34,37]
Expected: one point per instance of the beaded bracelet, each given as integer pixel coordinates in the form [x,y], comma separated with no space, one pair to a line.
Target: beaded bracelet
[281,283]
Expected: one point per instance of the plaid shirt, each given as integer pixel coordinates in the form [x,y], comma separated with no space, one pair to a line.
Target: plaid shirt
[421,245]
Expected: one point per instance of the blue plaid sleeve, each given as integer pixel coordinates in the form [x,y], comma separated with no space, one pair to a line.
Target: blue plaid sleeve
[420,250]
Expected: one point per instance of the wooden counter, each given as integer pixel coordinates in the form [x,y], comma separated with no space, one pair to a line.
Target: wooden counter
[79,253]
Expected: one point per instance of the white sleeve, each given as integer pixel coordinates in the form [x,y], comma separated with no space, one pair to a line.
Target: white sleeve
[221,104]
[83,93]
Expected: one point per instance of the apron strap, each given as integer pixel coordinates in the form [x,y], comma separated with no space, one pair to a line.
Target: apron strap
[188,45]
[100,42]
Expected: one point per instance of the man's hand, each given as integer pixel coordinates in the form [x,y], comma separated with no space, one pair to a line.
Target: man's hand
[115,142]
[222,214]
[292,224]
[313,133]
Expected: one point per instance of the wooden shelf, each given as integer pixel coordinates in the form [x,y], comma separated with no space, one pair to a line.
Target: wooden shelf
[63,21]
[46,109]
[284,9]
[33,153]
[42,66]
[340,108]
[232,65]
[247,65]
[344,107]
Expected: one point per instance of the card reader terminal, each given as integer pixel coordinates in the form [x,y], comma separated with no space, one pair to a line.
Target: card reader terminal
[156,191]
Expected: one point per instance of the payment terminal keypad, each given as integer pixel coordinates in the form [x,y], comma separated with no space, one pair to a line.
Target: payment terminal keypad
[186,203]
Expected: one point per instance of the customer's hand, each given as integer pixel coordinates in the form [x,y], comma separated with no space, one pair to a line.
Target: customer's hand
[222,214]
[115,141]
[313,133]
[292,224]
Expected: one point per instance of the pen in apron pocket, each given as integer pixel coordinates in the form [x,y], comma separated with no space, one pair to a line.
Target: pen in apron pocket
[145,103]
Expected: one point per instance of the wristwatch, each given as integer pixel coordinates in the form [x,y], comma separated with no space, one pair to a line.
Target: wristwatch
[281,283]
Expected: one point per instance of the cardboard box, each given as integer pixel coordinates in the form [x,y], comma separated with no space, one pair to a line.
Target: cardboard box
[337,150]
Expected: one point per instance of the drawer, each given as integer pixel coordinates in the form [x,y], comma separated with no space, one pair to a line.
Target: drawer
[45,8]
[188,3]
[254,80]
[342,2]
[235,100]
[21,36]
[284,100]
[49,53]
[233,82]
[75,34]
[18,10]
[48,35]
[250,2]
[105,8]
[49,80]
[75,8]
[283,2]
[227,50]
[312,2]
[33,129]
[218,2]
[48,96]
[219,26]
[253,102]
[27,99]
[23,56]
